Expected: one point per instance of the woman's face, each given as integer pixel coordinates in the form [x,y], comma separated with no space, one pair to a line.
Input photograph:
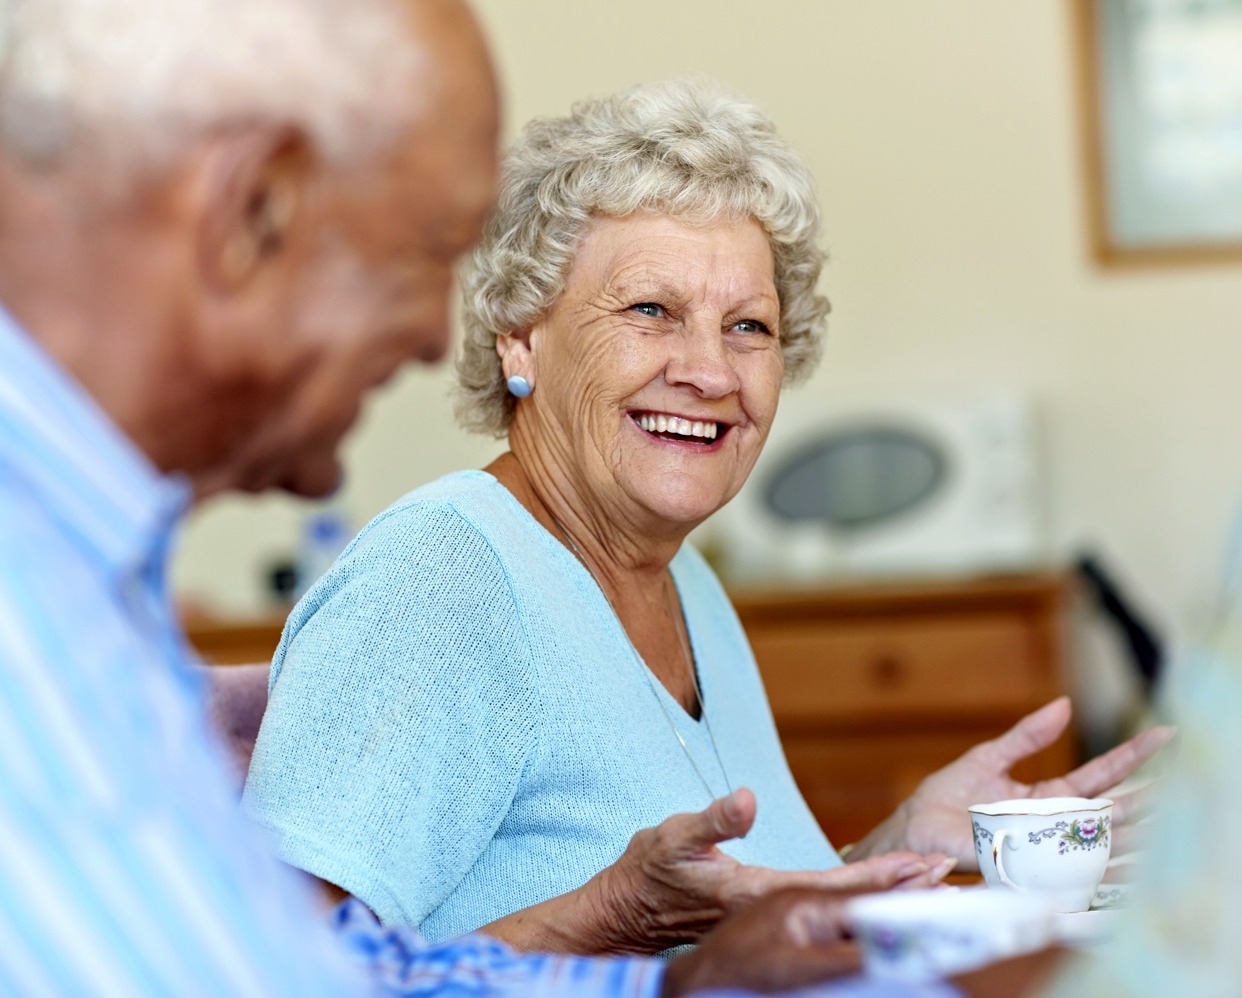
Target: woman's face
[658,369]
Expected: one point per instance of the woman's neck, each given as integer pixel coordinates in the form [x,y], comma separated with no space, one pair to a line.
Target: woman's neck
[620,550]
[631,570]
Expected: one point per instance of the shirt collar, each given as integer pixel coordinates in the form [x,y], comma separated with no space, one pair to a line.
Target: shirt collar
[85,471]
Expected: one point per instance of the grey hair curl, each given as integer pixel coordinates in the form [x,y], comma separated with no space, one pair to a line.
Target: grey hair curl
[138,78]
[687,148]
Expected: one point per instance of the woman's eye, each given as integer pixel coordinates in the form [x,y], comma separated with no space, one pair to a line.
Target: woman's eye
[648,308]
[750,326]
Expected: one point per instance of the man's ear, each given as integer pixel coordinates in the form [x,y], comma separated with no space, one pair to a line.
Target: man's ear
[253,186]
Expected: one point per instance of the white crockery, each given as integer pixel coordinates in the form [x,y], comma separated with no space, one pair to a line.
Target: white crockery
[1055,846]
[1082,929]
[931,934]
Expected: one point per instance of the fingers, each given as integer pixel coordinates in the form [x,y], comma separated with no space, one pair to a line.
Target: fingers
[730,817]
[876,873]
[1032,733]
[1132,805]
[726,818]
[904,870]
[934,877]
[1109,769]
[1128,839]
[1131,813]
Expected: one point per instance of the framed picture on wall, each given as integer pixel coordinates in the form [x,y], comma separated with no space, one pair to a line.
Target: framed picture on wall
[1162,88]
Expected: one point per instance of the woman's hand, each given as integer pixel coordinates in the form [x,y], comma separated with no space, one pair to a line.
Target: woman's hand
[935,818]
[672,884]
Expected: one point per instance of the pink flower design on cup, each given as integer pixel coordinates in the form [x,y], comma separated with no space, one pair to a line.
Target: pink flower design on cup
[1086,833]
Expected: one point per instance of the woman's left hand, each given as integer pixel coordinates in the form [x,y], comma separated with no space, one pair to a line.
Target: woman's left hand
[935,817]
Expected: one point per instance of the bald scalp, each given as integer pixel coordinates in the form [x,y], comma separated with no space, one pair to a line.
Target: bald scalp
[228,272]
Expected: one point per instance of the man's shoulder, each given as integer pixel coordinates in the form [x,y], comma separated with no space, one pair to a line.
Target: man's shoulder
[35,547]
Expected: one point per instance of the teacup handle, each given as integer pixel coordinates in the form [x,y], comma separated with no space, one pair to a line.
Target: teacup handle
[998,849]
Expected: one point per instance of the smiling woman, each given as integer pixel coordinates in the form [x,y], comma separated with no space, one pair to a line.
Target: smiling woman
[662,326]
[479,712]
[511,672]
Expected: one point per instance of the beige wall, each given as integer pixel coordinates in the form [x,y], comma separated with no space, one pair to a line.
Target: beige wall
[944,139]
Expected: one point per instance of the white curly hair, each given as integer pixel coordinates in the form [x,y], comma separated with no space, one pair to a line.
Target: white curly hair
[687,148]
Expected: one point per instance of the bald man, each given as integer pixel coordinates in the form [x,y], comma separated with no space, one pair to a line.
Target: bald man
[221,223]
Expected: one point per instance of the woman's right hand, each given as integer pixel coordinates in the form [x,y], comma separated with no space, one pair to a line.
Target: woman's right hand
[673,883]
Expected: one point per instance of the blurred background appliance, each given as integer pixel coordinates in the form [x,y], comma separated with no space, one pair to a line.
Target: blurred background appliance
[896,483]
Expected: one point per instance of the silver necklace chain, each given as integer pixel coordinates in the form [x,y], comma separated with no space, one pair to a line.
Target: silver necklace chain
[679,626]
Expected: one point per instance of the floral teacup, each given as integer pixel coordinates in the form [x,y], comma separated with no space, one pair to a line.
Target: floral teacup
[1053,845]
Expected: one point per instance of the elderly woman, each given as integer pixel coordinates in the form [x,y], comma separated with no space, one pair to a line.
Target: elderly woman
[511,671]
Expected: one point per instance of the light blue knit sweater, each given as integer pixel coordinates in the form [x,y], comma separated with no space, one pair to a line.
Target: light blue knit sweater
[459,727]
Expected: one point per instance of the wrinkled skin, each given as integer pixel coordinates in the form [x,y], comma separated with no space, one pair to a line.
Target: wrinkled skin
[673,884]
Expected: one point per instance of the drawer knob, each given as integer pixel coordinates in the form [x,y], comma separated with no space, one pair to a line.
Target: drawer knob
[887,669]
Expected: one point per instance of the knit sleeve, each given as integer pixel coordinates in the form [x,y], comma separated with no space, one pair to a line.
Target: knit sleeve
[401,713]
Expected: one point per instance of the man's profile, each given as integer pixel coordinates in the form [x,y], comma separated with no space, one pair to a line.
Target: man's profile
[221,223]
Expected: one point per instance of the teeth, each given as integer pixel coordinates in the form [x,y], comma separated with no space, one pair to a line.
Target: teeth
[675,424]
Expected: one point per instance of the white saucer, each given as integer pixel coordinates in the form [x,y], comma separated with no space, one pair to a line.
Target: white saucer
[1084,928]
[1111,896]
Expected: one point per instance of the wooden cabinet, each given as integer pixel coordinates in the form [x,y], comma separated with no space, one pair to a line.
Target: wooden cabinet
[234,642]
[873,687]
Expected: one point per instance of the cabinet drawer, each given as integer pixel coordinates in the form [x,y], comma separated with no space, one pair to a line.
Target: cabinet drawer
[956,665]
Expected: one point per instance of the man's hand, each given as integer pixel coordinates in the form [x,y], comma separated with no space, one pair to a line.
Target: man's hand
[789,939]
[935,818]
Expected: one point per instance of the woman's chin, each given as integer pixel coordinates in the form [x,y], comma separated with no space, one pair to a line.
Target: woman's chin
[679,488]
[682,511]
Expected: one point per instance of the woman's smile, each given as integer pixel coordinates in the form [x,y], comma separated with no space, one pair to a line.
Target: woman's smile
[698,432]
[658,370]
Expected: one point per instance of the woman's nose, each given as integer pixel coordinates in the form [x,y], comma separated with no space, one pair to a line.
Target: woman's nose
[702,360]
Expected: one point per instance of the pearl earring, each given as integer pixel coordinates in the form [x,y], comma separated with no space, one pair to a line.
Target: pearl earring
[519,387]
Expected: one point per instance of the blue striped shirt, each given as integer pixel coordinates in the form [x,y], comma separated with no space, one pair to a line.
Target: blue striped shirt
[126,865]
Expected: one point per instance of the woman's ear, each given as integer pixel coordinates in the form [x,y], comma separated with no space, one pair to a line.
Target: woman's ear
[517,354]
[252,204]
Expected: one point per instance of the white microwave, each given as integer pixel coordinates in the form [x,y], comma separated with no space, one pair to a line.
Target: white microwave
[905,483]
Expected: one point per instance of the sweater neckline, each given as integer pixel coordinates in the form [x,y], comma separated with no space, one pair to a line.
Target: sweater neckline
[571,565]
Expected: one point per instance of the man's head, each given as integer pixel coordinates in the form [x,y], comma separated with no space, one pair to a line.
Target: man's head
[231,218]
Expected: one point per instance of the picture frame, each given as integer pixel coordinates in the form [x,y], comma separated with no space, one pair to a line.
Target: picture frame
[1161,85]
